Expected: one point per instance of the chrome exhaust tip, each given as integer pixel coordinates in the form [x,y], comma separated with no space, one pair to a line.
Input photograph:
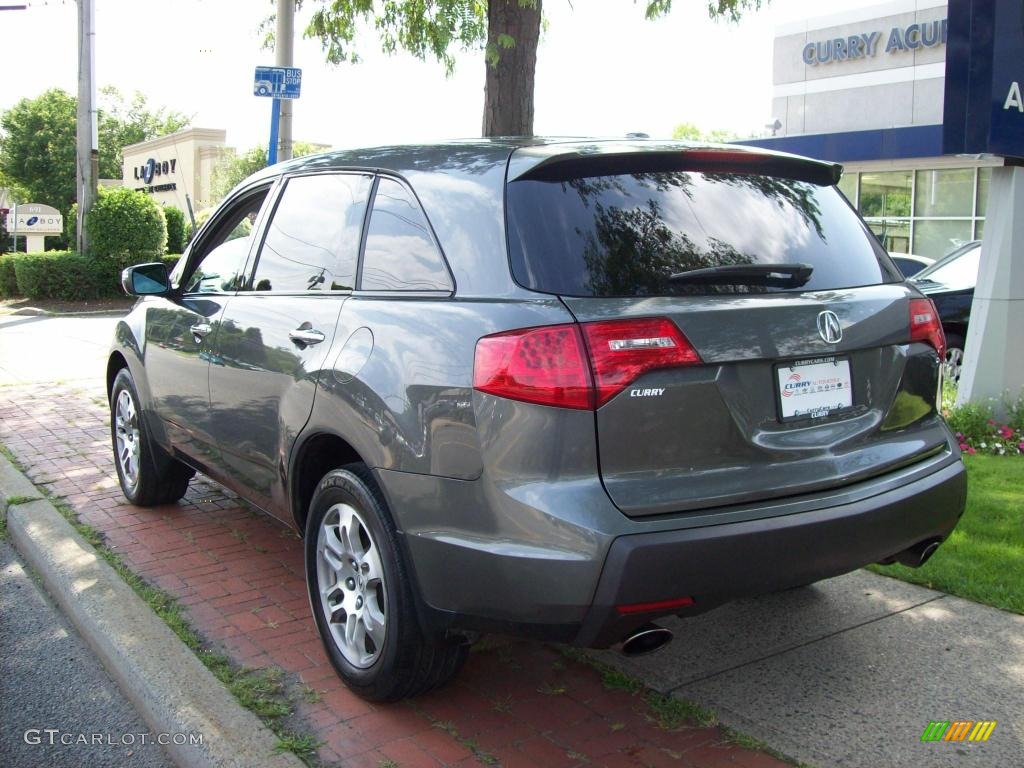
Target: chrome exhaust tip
[647,639]
[919,554]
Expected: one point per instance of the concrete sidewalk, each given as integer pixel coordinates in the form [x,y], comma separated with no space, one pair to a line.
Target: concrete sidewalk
[849,672]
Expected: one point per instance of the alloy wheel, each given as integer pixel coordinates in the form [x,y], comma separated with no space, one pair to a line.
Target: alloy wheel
[350,580]
[126,436]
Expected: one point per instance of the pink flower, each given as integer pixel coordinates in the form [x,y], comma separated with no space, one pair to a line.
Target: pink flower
[991,422]
[1021,446]
[1005,432]
[964,446]
[970,450]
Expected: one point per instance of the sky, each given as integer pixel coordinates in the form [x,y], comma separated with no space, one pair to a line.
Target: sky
[602,70]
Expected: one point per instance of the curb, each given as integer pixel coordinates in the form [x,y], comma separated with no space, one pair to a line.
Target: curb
[169,687]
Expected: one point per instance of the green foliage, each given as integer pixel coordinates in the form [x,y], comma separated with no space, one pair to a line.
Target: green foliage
[8,278]
[37,149]
[71,226]
[69,275]
[124,221]
[690,132]
[233,169]
[38,140]
[175,218]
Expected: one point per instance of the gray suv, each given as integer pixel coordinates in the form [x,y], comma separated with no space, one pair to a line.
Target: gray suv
[542,388]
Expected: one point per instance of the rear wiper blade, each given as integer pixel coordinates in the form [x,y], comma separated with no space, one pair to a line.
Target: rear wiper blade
[779,275]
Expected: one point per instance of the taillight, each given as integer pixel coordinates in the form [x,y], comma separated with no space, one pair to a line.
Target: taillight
[925,325]
[549,365]
[543,365]
[621,351]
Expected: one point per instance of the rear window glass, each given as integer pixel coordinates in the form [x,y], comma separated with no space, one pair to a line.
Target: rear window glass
[628,234]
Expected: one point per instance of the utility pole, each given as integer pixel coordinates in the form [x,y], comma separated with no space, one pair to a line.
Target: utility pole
[88,154]
[283,48]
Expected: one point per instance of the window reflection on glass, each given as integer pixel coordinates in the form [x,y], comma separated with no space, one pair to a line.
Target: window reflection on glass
[848,186]
[312,241]
[221,270]
[638,234]
[885,194]
[894,234]
[400,254]
[947,192]
[937,237]
[984,180]
[957,272]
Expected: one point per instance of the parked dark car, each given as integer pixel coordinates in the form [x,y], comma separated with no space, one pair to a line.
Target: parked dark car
[910,264]
[949,283]
[548,389]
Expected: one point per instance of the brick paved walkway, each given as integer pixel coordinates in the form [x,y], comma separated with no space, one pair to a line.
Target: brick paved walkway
[240,575]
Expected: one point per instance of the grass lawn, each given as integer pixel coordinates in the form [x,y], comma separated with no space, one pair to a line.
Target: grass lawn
[983,560]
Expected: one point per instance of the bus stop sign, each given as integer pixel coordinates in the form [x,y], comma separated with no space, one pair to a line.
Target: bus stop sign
[277,82]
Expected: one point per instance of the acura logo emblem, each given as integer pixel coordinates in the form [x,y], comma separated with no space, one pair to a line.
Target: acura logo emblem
[829,329]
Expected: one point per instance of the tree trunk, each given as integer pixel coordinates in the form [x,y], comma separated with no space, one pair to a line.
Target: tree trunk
[508,90]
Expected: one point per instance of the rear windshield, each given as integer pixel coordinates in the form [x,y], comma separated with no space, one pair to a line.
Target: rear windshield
[628,234]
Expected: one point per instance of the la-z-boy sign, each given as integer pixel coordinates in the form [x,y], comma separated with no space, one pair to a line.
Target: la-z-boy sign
[153,167]
[929,34]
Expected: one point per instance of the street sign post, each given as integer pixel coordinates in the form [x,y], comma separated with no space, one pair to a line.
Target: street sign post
[276,83]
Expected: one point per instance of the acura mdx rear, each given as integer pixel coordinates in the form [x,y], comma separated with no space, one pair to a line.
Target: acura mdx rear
[557,390]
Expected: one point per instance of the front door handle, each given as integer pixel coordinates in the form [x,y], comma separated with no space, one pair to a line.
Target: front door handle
[305,336]
[199,331]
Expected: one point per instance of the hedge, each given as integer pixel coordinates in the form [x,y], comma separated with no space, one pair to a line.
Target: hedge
[124,221]
[175,228]
[8,279]
[67,275]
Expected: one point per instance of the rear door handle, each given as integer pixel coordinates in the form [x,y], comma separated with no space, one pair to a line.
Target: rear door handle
[305,336]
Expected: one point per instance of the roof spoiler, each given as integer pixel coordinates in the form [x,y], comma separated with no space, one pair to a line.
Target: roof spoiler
[733,160]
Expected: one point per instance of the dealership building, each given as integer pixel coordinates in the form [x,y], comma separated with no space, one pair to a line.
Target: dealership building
[865,88]
[176,166]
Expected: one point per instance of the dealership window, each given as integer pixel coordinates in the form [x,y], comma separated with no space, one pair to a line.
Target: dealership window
[927,212]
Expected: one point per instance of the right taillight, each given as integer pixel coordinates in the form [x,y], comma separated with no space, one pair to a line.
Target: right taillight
[552,365]
[925,325]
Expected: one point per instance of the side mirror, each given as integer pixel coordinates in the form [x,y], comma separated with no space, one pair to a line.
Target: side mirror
[146,279]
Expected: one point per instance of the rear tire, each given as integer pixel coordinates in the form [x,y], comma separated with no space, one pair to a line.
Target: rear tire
[361,594]
[954,358]
[148,476]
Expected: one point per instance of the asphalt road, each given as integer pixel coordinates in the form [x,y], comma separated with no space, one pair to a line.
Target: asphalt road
[49,679]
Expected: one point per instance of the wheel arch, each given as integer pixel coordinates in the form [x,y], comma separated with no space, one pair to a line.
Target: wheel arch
[313,458]
[115,363]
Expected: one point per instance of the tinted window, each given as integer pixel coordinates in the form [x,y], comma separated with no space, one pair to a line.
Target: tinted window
[312,241]
[627,234]
[400,253]
[225,245]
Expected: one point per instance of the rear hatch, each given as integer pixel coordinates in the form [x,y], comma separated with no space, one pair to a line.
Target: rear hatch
[780,351]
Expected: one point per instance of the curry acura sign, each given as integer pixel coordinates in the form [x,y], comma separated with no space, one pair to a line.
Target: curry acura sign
[928,34]
[151,168]
[984,107]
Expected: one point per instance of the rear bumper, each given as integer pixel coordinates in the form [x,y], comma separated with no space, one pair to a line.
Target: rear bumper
[717,563]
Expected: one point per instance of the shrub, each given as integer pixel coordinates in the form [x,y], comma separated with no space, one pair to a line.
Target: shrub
[175,229]
[123,221]
[8,279]
[70,276]
[71,226]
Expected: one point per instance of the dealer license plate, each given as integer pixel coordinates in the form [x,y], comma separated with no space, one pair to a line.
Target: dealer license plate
[814,388]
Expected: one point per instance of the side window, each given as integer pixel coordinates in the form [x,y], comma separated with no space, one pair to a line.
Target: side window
[400,254]
[312,242]
[226,246]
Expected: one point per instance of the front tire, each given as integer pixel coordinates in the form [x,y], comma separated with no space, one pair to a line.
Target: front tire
[361,594]
[148,476]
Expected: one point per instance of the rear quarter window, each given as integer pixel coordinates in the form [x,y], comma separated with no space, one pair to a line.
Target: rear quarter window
[627,234]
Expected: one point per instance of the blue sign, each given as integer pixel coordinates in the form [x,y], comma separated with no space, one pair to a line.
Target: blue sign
[277,82]
[984,108]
